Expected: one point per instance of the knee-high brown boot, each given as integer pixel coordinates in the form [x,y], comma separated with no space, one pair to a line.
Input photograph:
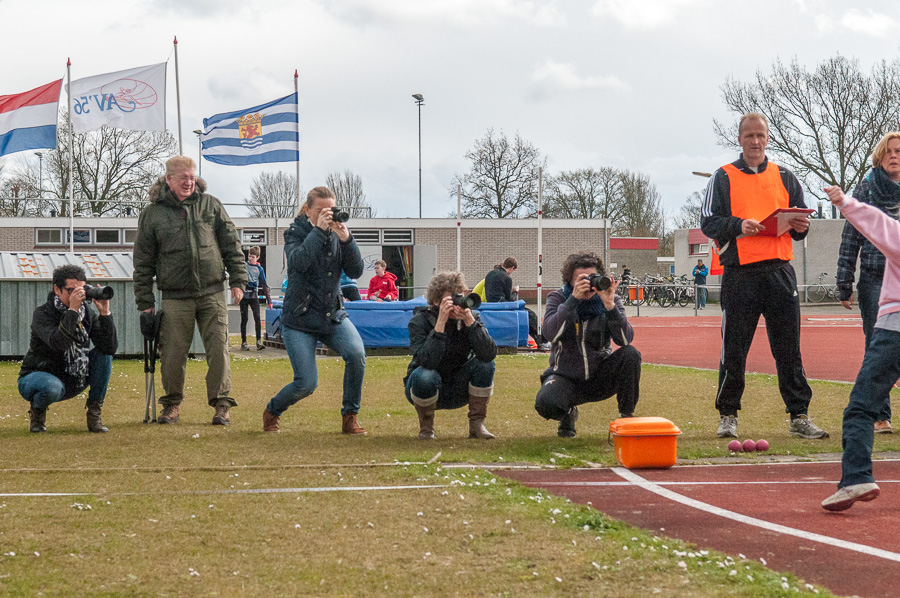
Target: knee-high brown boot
[478,400]
[426,421]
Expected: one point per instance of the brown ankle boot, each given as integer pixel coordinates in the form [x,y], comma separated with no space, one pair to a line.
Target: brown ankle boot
[94,423]
[170,415]
[38,419]
[477,413]
[270,422]
[222,416]
[426,422]
[350,425]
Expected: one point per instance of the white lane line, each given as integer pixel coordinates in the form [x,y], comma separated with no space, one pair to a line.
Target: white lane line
[235,491]
[767,525]
[745,483]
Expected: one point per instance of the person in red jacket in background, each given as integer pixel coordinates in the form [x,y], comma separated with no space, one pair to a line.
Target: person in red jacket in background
[382,287]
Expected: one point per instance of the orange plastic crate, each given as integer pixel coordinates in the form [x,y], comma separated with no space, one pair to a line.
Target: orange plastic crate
[645,442]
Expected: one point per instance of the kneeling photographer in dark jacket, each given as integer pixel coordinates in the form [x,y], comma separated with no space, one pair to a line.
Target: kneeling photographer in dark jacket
[60,363]
[581,320]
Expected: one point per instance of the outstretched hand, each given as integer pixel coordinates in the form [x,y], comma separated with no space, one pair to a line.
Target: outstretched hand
[835,195]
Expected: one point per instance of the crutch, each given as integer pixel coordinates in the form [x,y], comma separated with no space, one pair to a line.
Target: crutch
[150,325]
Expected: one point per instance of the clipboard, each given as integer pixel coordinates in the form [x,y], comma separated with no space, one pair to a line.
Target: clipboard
[777,224]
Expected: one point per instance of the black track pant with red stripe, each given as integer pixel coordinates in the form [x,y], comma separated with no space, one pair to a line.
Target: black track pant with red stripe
[747,293]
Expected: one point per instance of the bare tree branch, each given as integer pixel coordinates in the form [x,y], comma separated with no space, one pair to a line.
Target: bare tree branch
[348,192]
[272,195]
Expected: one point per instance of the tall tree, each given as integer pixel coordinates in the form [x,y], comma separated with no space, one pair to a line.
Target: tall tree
[273,195]
[824,123]
[689,214]
[642,214]
[503,179]
[348,192]
[584,193]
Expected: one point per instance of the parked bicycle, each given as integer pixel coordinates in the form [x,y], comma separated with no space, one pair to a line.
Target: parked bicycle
[819,291]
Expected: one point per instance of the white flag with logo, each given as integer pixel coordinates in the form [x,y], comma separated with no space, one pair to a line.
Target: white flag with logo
[134,99]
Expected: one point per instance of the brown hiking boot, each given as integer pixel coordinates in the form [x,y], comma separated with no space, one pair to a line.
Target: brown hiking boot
[222,416]
[94,423]
[170,415]
[477,413]
[350,425]
[270,422]
[38,419]
[426,422]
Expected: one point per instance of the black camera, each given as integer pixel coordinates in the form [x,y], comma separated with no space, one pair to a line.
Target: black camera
[470,301]
[601,282]
[338,215]
[102,293]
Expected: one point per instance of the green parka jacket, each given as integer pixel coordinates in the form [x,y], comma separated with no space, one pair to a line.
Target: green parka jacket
[188,246]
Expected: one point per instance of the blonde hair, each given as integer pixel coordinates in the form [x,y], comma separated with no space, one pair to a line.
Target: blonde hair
[318,193]
[753,116]
[444,282]
[881,148]
[381,263]
[176,163]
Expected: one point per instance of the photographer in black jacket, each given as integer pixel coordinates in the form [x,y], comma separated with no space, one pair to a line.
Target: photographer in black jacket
[453,358]
[60,363]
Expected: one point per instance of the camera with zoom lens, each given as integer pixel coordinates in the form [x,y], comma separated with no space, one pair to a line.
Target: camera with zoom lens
[102,293]
[338,215]
[470,301]
[601,282]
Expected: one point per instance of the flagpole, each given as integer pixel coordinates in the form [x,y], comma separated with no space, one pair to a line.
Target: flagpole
[540,247]
[178,96]
[297,91]
[458,227]
[71,155]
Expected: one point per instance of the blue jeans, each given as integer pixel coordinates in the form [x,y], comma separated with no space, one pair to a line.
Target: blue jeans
[301,348]
[452,393]
[879,371]
[701,296]
[42,389]
[868,290]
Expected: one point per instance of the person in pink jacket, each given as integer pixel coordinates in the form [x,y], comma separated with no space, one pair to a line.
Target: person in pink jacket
[381,287]
[881,365]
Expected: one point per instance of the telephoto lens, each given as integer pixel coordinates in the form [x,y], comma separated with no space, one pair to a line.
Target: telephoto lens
[470,301]
[102,293]
[340,216]
[601,282]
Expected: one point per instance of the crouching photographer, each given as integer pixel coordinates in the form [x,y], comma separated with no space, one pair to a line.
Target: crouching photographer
[60,363]
[581,320]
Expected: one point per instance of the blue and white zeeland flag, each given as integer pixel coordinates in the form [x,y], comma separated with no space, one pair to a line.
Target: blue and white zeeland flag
[258,135]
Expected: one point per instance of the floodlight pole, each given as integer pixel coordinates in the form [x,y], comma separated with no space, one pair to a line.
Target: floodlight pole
[420,99]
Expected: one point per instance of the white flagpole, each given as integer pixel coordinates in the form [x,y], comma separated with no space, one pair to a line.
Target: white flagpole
[178,96]
[458,226]
[540,250]
[297,91]
[71,167]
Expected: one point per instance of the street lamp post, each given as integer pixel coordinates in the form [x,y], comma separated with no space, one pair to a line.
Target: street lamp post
[198,132]
[419,101]
[40,156]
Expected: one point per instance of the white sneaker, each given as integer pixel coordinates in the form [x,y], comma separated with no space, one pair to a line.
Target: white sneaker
[803,427]
[844,498]
[727,427]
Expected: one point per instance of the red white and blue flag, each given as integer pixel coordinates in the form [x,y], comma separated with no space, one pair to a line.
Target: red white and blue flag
[28,120]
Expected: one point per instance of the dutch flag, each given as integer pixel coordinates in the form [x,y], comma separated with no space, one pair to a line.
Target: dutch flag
[28,120]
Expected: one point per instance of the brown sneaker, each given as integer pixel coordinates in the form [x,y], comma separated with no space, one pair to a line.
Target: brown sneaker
[270,422]
[170,415]
[883,427]
[350,425]
[222,416]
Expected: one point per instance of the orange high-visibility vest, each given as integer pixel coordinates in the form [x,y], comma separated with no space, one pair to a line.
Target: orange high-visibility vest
[756,196]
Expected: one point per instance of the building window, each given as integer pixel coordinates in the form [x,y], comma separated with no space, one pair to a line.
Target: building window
[700,249]
[366,236]
[130,235]
[397,237]
[107,236]
[48,236]
[82,236]
[253,236]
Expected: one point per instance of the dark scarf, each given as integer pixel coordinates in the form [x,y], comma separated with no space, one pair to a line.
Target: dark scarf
[588,309]
[885,193]
[77,353]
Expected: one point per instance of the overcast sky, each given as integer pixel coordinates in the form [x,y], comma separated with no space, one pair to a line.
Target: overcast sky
[624,83]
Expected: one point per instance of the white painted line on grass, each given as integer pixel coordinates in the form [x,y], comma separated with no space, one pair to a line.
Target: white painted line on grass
[717,483]
[760,523]
[235,491]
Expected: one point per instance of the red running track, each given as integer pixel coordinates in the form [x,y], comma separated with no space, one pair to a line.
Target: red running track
[832,346]
[738,509]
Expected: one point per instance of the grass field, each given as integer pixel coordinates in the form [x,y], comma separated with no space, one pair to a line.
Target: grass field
[157,518]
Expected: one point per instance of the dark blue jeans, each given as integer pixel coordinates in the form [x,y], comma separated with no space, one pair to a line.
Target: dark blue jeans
[42,389]
[879,371]
[868,290]
[452,393]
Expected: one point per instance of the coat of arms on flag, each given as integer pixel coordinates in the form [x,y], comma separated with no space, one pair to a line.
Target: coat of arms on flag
[257,135]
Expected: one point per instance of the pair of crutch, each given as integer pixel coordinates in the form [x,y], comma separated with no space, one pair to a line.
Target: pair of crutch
[150,325]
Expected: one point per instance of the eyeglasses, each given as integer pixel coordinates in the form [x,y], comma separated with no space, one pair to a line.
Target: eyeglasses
[185,178]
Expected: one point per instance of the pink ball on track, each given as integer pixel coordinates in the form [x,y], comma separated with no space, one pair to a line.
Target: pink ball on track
[735,446]
[749,446]
[762,445]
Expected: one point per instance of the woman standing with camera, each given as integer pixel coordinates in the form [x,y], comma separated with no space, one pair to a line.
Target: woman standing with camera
[453,357]
[581,320]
